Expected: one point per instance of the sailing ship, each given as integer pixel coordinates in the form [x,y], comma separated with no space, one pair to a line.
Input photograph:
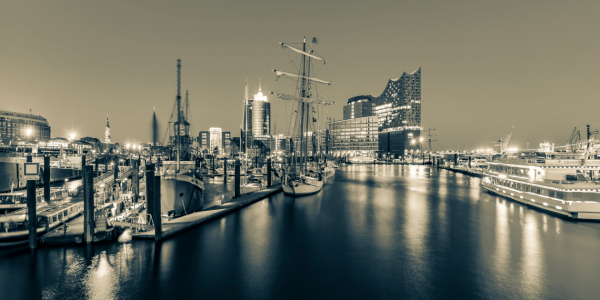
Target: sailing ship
[299,180]
[182,188]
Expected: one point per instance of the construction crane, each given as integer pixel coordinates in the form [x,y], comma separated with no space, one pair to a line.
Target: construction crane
[575,137]
[503,142]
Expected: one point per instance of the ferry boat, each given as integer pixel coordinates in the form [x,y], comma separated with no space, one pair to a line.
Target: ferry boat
[562,183]
[14,226]
[18,199]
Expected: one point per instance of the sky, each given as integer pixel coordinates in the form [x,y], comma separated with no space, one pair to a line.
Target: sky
[486,65]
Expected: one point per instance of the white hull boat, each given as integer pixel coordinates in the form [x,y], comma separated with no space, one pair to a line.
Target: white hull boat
[303,185]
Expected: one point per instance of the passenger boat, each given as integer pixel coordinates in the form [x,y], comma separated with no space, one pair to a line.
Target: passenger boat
[18,199]
[14,225]
[567,184]
[298,181]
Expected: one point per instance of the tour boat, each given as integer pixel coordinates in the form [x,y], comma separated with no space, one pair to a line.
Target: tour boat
[567,184]
[14,225]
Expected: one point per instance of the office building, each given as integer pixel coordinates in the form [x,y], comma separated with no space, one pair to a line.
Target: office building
[216,140]
[358,107]
[356,137]
[19,127]
[257,119]
[204,140]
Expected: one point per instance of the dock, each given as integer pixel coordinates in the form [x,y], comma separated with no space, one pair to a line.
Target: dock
[175,226]
[74,234]
[470,172]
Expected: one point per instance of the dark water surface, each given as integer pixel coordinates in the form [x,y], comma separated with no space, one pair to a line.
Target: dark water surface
[374,232]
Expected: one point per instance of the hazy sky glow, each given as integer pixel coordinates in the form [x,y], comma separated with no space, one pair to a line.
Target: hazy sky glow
[486,65]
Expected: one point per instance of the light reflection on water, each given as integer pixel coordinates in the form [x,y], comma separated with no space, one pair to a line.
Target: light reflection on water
[375,231]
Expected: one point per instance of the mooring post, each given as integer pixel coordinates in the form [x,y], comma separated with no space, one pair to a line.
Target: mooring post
[47,178]
[237,178]
[88,204]
[269,175]
[135,180]
[224,170]
[150,189]
[31,210]
[157,210]
[116,168]
[469,162]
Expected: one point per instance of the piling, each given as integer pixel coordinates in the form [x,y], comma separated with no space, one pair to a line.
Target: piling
[116,167]
[47,179]
[135,180]
[269,173]
[455,159]
[88,204]
[237,178]
[150,189]
[224,170]
[469,162]
[31,211]
[157,210]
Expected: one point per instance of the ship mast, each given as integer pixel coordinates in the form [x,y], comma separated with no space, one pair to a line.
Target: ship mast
[303,95]
[178,126]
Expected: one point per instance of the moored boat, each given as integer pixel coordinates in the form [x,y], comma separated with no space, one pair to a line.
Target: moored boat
[567,184]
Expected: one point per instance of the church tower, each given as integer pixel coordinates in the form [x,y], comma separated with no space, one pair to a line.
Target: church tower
[107,132]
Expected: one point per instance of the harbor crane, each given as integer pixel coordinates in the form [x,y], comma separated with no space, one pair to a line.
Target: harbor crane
[503,142]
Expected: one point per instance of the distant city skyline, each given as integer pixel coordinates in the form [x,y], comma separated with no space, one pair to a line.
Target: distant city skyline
[486,66]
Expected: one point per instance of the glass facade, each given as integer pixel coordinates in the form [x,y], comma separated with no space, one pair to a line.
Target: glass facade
[261,115]
[354,137]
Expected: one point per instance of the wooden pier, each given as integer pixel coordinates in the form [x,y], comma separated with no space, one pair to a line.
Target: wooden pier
[175,226]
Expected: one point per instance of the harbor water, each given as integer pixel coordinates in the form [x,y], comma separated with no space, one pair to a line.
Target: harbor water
[373,232]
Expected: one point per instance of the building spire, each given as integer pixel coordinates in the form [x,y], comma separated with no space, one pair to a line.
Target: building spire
[246,93]
[107,121]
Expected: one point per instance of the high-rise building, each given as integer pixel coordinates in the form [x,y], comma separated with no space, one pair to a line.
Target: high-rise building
[107,132]
[16,127]
[261,115]
[257,119]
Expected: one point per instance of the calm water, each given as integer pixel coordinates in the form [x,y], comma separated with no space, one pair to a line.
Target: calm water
[373,232]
